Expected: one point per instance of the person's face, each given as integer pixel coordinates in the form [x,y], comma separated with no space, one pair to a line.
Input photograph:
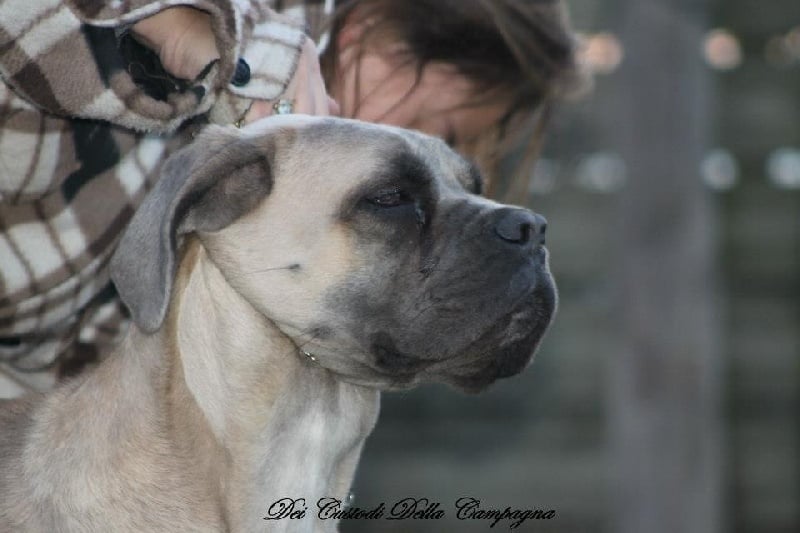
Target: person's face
[379,87]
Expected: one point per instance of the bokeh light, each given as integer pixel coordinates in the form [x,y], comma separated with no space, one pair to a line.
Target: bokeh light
[722,50]
[720,170]
[544,177]
[602,53]
[602,172]
[783,168]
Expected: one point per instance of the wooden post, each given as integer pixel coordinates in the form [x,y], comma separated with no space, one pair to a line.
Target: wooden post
[665,381]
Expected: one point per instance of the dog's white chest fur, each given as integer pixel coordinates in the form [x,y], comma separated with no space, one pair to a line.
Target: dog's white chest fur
[317,449]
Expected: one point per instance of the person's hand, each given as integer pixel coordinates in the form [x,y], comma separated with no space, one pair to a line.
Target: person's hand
[306,89]
[182,38]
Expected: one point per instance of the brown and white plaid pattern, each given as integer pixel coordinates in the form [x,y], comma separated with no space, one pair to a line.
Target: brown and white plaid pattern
[80,145]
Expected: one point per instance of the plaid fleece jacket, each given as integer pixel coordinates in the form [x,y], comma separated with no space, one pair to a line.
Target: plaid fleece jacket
[81,143]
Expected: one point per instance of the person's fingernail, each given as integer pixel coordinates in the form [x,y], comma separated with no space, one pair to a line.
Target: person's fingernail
[242,74]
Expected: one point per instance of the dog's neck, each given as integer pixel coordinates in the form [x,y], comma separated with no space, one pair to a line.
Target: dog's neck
[282,426]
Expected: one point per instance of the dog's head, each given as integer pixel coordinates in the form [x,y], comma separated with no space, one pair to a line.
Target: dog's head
[367,245]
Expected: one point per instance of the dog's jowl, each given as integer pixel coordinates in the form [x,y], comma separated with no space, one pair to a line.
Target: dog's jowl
[279,277]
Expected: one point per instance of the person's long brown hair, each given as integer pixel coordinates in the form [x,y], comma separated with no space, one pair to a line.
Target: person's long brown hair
[517,52]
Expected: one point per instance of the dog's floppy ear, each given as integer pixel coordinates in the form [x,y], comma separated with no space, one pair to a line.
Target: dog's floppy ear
[203,187]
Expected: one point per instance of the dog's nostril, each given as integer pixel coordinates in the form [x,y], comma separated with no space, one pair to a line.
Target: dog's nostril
[519,226]
[541,228]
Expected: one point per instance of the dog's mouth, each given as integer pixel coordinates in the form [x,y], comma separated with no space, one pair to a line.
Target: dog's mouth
[505,349]
[508,347]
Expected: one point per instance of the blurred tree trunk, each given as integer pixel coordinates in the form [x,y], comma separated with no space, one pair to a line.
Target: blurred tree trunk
[665,383]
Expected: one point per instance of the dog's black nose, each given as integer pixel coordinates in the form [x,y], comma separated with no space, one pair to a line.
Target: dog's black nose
[519,226]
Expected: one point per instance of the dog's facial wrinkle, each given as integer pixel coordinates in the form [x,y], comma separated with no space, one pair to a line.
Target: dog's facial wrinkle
[390,359]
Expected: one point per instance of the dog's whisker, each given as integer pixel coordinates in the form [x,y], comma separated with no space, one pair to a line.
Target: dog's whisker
[303,344]
[293,268]
[426,270]
[286,325]
[300,345]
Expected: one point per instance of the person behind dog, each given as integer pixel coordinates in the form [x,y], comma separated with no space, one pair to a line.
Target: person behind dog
[96,95]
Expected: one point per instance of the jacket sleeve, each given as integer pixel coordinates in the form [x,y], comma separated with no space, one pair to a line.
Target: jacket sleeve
[63,57]
[61,61]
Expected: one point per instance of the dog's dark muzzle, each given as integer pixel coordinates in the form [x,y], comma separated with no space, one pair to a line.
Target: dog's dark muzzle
[524,297]
[471,308]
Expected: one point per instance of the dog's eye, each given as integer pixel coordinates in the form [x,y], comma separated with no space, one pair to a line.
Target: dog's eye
[390,198]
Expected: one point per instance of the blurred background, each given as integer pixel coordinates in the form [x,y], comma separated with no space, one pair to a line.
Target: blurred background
[666,396]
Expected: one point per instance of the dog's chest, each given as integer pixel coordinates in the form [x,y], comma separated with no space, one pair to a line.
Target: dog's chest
[313,449]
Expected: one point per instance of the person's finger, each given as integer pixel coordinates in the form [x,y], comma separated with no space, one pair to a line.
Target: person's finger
[300,92]
[320,100]
[306,89]
[333,107]
[259,109]
[310,93]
